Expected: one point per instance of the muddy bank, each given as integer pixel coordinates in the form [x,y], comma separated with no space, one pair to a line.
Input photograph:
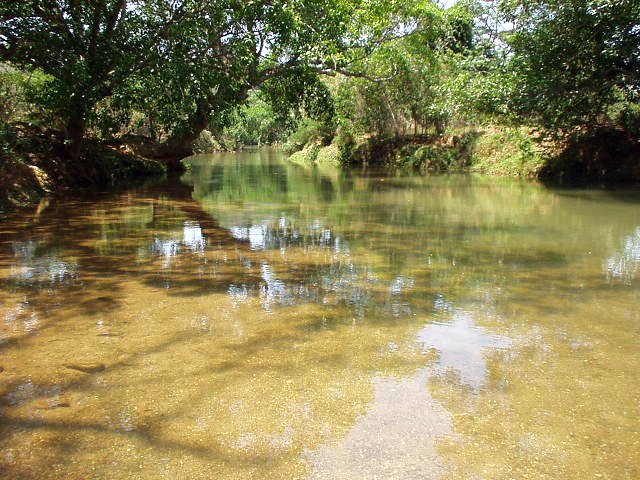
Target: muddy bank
[608,156]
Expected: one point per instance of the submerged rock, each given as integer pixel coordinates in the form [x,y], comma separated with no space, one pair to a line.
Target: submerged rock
[86,367]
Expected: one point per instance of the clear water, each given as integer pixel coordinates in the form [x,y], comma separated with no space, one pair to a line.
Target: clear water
[261,320]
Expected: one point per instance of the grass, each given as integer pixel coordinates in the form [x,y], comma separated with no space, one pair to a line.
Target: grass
[506,151]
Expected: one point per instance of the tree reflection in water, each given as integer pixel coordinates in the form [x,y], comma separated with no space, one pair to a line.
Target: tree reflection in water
[260,320]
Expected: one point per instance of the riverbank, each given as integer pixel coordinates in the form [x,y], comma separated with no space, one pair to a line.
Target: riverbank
[606,156]
[503,152]
[32,165]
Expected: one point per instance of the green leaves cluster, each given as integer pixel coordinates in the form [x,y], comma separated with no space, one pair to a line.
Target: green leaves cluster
[573,59]
[255,123]
[554,65]
[184,63]
[404,89]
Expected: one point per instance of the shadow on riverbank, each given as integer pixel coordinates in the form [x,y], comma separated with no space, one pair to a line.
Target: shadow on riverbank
[33,165]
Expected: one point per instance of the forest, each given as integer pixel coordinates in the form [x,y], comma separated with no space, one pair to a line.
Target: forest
[95,91]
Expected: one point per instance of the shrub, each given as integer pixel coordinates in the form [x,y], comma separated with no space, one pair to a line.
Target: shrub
[330,155]
[206,143]
[507,151]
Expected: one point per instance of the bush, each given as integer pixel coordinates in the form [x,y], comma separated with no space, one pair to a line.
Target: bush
[307,155]
[629,120]
[330,155]
[7,138]
[309,131]
[507,151]
[206,143]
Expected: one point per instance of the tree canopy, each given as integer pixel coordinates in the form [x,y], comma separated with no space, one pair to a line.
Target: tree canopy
[573,59]
[180,61]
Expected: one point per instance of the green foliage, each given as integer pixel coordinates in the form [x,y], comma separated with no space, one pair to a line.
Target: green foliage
[340,74]
[206,143]
[310,132]
[10,92]
[7,139]
[307,155]
[437,158]
[214,61]
[19,94]
[255,123]
[108,120]
[410,72]
[329,155]
[507,151]
[629,119]
[298,93]
[186,65]
[573,59]
[84,48]
[477,87]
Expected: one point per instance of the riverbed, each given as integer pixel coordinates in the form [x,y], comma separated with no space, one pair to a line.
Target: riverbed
[259,319]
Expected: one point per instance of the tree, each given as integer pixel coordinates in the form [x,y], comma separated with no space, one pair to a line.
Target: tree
[188,63]
[212,62]
[411,61]
[573,59]
[85,47]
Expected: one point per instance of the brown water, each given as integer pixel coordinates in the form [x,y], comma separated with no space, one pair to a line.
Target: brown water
[260,320]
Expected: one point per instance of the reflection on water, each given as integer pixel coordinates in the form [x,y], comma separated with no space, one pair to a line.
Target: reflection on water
[268,236]
[193,238]
[625,263]
[461,347]
[261,320]
[397,438]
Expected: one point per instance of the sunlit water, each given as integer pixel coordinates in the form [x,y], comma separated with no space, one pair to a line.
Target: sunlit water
[261,320]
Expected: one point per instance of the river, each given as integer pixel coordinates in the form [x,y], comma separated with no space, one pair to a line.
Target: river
[258,319]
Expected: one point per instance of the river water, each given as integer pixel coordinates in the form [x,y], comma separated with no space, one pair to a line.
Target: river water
[256,319]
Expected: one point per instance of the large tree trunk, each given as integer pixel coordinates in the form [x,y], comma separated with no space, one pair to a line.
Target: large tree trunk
[180,144]
[82,171]
[76,127]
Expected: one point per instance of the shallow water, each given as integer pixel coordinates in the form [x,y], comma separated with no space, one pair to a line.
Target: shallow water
[261,320]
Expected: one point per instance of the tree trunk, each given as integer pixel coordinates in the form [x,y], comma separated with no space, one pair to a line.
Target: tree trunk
[80,171]
[180,144]
[152,127]
[76,127]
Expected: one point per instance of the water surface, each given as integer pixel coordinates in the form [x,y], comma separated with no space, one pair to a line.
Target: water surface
[256,319]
